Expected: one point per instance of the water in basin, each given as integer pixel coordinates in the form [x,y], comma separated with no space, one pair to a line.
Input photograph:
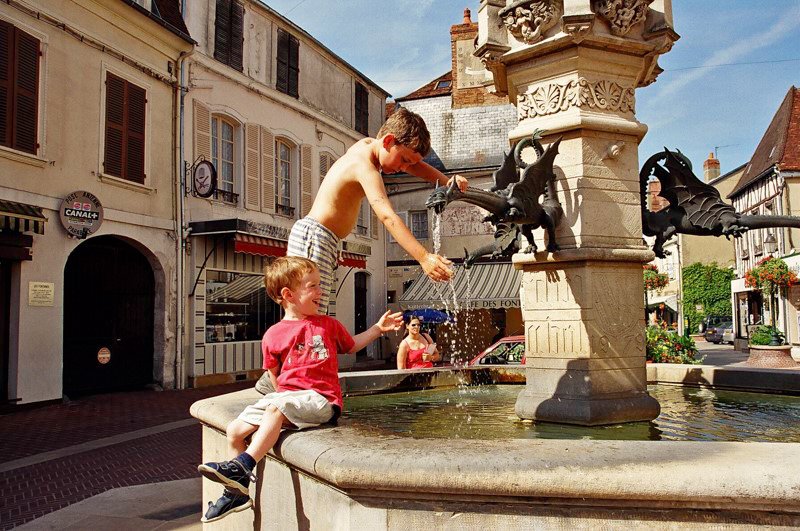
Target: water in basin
[487,412]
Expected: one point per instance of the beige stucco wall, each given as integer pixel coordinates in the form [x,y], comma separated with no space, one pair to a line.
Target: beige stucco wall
[71,129]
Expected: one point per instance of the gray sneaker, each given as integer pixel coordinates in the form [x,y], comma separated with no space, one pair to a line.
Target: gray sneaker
[229,502]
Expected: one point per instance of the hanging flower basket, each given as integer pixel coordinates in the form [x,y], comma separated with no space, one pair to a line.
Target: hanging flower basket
[653,280]
[770,275]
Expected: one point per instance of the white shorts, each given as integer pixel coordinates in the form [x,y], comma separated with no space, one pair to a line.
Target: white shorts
[304,409]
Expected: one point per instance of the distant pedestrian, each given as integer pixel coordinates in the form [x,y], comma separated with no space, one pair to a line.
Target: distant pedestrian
[300,352]
[417,350]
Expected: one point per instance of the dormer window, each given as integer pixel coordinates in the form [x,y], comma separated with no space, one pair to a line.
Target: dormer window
[444,84]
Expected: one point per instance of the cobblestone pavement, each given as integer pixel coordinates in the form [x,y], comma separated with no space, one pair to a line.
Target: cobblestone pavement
[28,492]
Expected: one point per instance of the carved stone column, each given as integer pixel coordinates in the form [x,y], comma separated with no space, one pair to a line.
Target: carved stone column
[572,67]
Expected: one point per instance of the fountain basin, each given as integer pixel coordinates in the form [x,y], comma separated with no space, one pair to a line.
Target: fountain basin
[344,478]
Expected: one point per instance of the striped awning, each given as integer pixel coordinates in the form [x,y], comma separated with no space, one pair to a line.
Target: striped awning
[239,289]
[19,217]
[353,260]
[250,244]
[482,286]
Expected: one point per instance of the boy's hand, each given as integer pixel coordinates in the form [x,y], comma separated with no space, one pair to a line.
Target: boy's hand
[460,182]
[436,267]
[390,321]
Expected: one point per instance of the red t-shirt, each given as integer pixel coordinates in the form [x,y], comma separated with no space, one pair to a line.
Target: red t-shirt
[306,352]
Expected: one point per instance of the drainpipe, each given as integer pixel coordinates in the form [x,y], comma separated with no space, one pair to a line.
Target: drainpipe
[180,210]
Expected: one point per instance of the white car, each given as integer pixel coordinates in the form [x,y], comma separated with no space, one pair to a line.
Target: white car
[727,335]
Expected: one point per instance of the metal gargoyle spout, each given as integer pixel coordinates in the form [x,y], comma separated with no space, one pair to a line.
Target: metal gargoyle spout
[695,207]
[513,200]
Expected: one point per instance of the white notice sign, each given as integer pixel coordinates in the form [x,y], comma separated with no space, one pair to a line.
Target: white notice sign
[41,293]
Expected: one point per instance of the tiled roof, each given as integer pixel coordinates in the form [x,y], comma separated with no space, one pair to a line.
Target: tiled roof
[168,14]
[780,144]
[430,89]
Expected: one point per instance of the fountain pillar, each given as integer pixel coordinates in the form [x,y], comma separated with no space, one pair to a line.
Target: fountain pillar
[572,68]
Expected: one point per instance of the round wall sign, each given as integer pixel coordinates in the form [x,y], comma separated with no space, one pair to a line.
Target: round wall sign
[81,214]
[103,355]
[204,178]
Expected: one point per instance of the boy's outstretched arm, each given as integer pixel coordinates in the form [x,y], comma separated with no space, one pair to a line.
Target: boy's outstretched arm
[387,323]
[435,266]
[425,171]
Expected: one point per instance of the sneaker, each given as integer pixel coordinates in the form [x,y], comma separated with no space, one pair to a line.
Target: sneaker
[229,502]
[230,473]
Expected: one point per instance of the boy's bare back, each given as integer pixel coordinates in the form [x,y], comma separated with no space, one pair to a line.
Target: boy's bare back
[340,194]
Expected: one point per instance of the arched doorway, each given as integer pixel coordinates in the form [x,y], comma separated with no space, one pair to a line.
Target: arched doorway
[108,318]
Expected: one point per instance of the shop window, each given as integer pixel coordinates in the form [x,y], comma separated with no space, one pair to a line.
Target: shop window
[419,224]
[288,60]
[228,36]
[284,177]
[362,109]
[237,307]
[223,156]
[19,89]
[126,106]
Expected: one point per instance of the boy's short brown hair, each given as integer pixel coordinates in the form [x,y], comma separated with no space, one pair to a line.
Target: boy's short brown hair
[409,129]
[285,272]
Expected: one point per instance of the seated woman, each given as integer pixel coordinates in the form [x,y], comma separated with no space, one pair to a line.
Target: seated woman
[414,351]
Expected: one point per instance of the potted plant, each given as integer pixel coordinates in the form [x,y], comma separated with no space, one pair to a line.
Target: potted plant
[653,280]
[767,349]
[665,346]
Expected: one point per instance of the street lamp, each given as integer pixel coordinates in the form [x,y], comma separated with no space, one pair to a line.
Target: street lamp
[770,246]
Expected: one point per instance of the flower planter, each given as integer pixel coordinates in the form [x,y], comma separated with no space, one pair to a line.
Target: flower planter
[771,357]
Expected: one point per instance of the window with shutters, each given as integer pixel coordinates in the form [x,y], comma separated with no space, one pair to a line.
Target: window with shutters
[284,177]
[362,225]
[126,116]
[223,156]
[326,160]
[228,33]
[19,89]
[288,61]
[362,109]
[419,224]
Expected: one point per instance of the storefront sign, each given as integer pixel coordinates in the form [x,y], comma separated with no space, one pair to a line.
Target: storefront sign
[357,248]
[41,293]
[81,214]
[270,231]
[103,355]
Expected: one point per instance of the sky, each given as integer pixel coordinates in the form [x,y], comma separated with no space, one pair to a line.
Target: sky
[722,82]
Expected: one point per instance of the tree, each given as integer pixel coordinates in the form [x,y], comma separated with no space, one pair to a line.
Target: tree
[707,287]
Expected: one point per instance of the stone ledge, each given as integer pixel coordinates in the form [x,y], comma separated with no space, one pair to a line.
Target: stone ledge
[786,381]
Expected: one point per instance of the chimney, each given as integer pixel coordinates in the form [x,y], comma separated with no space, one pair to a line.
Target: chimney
[711,167]
[469,75]
[467,16]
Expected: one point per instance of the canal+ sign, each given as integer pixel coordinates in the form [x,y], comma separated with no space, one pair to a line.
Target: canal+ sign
[81,214]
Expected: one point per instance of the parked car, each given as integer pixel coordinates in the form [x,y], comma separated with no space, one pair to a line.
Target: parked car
[714,332]
[727,335]
[510,350]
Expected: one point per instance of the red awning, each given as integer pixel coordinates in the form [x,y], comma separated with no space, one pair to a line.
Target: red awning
[249,244]
[353,260]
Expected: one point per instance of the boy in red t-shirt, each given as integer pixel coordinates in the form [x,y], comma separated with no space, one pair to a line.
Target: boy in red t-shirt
[300,353]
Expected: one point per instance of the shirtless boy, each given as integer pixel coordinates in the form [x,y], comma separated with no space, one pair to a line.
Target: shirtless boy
[401,144]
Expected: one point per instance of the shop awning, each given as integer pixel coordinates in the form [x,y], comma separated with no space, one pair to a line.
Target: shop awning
[482,286]
[670,300]
[19,217]
[353,260]
[249,244]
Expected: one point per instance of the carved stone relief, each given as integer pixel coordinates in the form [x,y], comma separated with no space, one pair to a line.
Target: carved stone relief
[616,328]
[554,289]
[553,98]
[621,15]
[527,20]
[555,338]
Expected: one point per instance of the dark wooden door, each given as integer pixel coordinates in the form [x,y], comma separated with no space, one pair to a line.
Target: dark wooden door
[108,303]
[360,289]
[5,326]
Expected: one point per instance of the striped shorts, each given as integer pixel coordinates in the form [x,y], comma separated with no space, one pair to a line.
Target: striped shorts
[311,239]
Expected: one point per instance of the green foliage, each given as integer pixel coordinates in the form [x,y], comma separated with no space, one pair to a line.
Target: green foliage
[653,280]
[762,335]
[664,346]
[709,286]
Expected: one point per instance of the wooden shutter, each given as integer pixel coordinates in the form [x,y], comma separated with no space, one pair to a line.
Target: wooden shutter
[222,31]
[6,75]
[267,170]
[26,92]
[306,195]
[323,166]
[282,60]
[373,224]
[202,131]
[137,111]
[114,159]
[294,67]
[236,36]
[252,200]
[362,109]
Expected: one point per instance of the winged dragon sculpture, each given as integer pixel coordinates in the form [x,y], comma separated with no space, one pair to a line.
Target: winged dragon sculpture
[513,201]
[694,207]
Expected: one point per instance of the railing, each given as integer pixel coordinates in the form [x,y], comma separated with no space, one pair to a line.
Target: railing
[362,230]
[228,197]
[284,210]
